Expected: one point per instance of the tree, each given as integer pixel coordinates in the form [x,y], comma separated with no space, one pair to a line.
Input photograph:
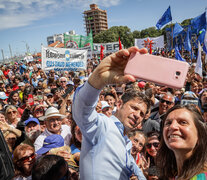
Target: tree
[150,32]
[136,34]
[186,22]
[113,34]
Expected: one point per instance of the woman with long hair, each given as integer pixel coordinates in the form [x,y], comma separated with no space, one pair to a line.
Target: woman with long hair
[182,154]
[14,99]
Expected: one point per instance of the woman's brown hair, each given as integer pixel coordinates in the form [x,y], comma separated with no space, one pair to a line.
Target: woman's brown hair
[166,160]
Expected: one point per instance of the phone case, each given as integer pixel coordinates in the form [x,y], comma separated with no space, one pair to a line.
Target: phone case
[160,70]
[30,100]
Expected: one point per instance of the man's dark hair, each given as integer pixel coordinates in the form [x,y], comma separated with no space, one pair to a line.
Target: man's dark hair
[153,133]
[109,94]
[132,94]
[48,167]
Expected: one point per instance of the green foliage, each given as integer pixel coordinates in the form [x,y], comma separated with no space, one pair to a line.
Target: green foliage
[150,32]
[113,34]
[186,22]
[136,34]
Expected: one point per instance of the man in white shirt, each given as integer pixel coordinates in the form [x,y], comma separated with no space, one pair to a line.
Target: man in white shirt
[54,125]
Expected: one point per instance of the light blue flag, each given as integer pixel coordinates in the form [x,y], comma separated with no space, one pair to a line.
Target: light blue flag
[166,18]
[199,22]
[177,54]
[187,44]
[177,29]
[198,68]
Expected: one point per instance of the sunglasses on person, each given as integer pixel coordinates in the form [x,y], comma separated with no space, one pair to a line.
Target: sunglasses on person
[27,158]
[155,144]
[63,81]
[11,112]
[167,102]
[39,110]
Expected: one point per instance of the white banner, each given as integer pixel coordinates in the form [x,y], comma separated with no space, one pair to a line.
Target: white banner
[63,59]
[89,52]
[157,42]
[108,47]
[28,58]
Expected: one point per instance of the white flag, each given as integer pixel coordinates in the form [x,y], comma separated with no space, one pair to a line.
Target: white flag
[205,40]
[198,68]
[157,42]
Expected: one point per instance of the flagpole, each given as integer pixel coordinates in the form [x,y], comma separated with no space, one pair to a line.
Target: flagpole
[172,35]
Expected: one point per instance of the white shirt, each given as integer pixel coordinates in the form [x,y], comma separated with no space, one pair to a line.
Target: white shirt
[65,133]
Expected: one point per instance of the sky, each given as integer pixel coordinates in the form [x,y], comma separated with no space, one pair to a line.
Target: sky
[30,22]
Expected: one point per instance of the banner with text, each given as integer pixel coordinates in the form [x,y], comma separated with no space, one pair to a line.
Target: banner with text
[108,47]
[78,41]
[156,42]
[63,59]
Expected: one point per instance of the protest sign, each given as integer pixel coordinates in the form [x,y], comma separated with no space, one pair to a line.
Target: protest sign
[63,59]
[156,42]
[78,41]
[108,47]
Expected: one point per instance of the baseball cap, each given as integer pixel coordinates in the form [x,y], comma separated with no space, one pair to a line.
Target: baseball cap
[141,84]
[189,94]
[53,141]
[70,83]
[31,119]
[21,84]
[3,95]
[104,104]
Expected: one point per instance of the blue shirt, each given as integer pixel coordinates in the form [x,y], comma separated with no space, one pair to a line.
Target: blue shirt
[74,149]
[105,151]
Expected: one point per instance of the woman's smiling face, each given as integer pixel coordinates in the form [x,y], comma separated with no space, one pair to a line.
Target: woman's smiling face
[180,132]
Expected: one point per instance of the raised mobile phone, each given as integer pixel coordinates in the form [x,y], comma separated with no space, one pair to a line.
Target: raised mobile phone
[30,100]
[160,70]
[67,91]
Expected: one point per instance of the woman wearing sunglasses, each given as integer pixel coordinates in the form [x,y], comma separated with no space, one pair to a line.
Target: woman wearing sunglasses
[24,159]
[182,154]
[12,116]
[152,145]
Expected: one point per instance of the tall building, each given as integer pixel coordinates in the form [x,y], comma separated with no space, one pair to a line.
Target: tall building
[95,19]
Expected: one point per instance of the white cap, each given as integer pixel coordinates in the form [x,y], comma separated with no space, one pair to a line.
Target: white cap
[104,104]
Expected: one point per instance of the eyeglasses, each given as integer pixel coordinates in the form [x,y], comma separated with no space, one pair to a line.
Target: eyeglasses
[27,158]
[11,112]
[167,102]
[39,110]
[149,145]
[54,119]
[62,81]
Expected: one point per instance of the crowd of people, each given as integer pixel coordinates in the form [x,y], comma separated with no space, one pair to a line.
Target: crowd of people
[101,124]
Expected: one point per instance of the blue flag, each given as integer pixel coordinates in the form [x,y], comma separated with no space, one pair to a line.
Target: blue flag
[199,22]
[166,18]
[187,44]
[177,29]
[201,36]
[178,55]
